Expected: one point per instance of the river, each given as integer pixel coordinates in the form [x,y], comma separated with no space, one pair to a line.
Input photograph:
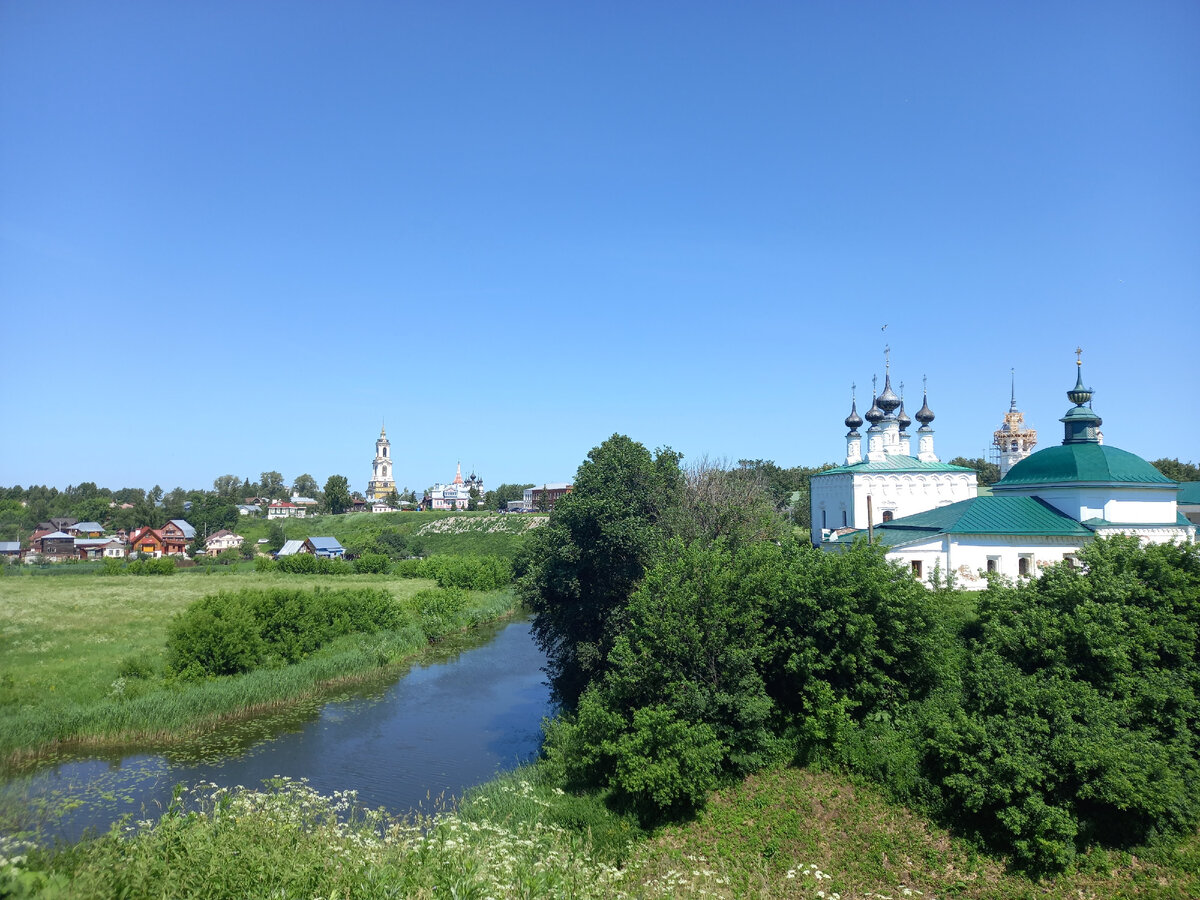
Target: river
[455,719]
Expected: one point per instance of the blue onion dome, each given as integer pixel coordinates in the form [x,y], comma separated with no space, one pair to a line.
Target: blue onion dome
[925,414]
[854,420]
[902,417]
[888,401]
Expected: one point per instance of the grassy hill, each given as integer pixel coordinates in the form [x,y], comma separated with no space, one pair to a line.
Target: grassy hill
[457,533]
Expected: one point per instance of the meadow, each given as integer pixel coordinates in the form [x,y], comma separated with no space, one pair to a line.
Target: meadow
[83,656]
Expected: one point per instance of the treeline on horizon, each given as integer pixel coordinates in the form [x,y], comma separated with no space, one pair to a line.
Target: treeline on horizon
[22,508]
[693,637]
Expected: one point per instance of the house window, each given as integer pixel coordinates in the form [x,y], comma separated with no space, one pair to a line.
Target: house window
[916,568]
[887,515]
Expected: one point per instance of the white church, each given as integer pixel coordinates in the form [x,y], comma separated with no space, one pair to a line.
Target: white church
[1047,505]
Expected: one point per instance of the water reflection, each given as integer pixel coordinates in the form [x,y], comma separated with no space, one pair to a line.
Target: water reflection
[446,725]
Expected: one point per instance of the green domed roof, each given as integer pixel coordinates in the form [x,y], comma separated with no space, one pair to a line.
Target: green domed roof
[1082,462]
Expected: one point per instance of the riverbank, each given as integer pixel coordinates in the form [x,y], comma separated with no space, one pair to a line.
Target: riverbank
[784,833]
[82,659]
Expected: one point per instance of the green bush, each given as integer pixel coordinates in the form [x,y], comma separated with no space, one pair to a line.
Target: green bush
[372,564]
[228,633]
[1077,718]
[163,565]
[472,573]
[439,610]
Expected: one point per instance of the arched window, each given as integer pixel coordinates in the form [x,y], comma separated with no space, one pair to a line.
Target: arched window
[887,515]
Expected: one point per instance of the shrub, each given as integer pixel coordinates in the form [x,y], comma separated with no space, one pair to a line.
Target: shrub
[228,633]
[163,565]
[1077,717]
[439,610]
[372,564]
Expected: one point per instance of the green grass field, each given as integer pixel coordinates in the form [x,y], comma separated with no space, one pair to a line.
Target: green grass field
[471,533]
[68,644]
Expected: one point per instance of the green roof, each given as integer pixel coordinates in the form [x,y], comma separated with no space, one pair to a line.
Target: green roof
[1180,519]
[896,463]
[982,515]
[1189,492]
[1082,462]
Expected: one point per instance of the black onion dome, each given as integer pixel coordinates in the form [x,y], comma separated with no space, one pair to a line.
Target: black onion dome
[902,417]
[925,414]
[888,401]
[854,420]
[874,415]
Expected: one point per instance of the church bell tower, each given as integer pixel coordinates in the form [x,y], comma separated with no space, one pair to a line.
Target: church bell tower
[382,484]
[1012,439]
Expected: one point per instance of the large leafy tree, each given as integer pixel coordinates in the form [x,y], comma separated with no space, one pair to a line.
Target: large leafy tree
[500,497]
[305,486]
[271,485]
[579,570]
[986,472]
[1176,470]
[337,494]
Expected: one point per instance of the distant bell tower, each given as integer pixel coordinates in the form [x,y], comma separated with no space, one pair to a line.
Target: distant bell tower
[382,484]
[1012,439]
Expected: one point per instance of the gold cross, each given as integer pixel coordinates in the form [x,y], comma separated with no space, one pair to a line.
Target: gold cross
[1078,355]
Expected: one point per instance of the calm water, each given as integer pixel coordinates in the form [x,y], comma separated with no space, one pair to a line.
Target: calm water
[446,725]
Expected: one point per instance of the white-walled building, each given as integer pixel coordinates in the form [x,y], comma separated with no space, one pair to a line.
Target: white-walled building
[1045,509]
[456,495]
[888,479]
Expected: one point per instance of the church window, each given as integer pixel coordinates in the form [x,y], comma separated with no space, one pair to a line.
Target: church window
[888,515]
[824,522]
[845,522]
[1014,446]
[385,451]
[916,568]
[1024,561]
[993,564]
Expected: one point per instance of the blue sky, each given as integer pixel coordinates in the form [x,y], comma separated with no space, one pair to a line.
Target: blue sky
[234,237]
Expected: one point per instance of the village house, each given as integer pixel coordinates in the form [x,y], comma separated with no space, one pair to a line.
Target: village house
[99,548]
[158,542]
[327,547]
[85,530]
[281,509]
[222,540]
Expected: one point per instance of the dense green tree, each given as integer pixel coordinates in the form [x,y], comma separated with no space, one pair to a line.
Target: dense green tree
[500,497]
[271,485]
[473,498]
[228,487]
[1077,721]
[580,569]
[275,537]
[95,509]
[154,495]
[1176,470]
[337,494]
[305,486]
[986,472]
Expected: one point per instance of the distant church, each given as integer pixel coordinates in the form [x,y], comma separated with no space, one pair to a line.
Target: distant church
[1048,505]
[383,483]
